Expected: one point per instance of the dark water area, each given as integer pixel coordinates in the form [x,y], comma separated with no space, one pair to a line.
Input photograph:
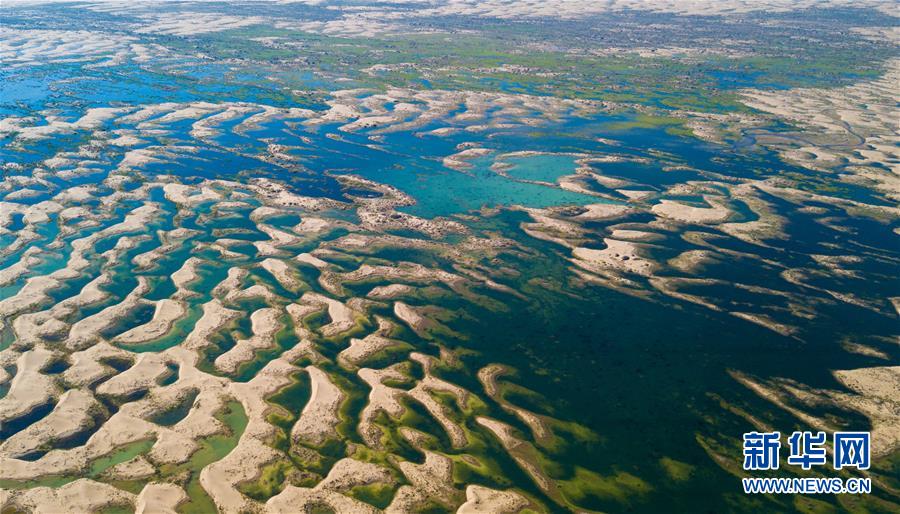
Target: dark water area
[650,379]
[641,376]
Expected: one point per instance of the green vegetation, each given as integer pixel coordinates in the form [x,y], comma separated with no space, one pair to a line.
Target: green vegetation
[492,60]
[273,477]
[379,495]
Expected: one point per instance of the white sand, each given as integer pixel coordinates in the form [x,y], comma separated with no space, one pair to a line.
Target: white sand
[71,414]
[147,369]
[29,388]
[718,213]
[159,499]
[483,500]
[618,256]
[167,312]
[287,277]
[319,418]
[82,496]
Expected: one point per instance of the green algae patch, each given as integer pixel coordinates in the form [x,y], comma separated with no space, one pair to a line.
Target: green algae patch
[317,459]
[590,490]
[483,469]
[316,319]
[356,394]
[391,440]
[123,454]
[116,509]
[672,125]
[49,481]
[271,481]
[405,384]
[677,471]
[382,458]
[564,435]
[379,495]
